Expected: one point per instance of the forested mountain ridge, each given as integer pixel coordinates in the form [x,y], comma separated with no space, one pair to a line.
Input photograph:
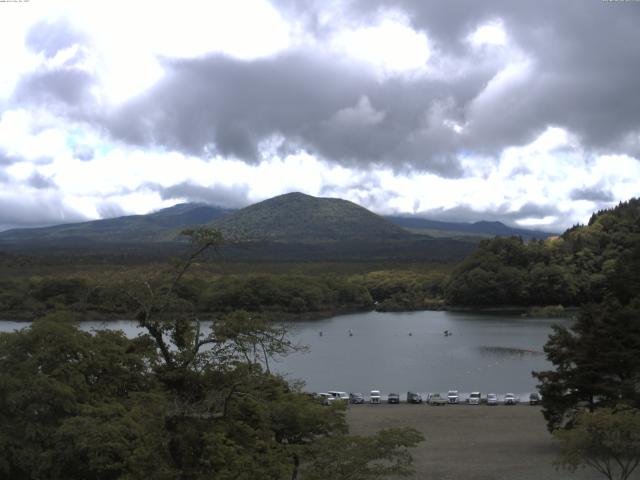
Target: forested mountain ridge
[289,217]
[158,226]
[571,269]
[296,217]
[481,228]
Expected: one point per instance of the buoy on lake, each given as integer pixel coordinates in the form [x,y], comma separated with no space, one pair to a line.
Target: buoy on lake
[410,333]
[320,333]
[350,333]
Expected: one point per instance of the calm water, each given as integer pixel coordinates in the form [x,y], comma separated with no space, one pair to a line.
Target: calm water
[489,353]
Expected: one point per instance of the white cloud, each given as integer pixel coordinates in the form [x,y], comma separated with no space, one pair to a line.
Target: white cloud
[491,33]
[391,46]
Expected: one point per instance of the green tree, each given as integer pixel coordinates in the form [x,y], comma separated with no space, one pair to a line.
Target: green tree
[607,440]
[596,363]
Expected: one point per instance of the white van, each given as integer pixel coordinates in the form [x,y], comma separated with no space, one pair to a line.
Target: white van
[374,396]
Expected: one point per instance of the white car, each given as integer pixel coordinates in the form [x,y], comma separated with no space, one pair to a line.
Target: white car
[492,399]
[474,398]
[453,396]
[510,399]
[326,398]
[342,396]
[374,396]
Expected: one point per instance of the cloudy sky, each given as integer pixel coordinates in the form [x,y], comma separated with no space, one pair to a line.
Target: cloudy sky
[525,112]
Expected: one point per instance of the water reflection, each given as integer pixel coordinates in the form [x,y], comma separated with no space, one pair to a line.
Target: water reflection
[507,351]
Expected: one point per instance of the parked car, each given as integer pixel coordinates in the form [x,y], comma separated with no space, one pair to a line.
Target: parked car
[453,396]
[510,399]
[414,397]
[436,400]
[492,399]
[343,396]
[356,398]
[534,398]
[393,398]
[326,398]
[374,396]
[474,398]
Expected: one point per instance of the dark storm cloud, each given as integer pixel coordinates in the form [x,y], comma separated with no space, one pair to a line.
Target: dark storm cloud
[40,182]
[584,55]
[596,194]
[582,69]
[49,38]
[502,213]
[221,196]
[582,76]
[66,87]
[342,113]
[35,211]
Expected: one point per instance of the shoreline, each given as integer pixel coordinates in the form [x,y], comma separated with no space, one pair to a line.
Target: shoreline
[93,315]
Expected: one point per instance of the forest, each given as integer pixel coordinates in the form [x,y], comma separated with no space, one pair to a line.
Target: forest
[569,270]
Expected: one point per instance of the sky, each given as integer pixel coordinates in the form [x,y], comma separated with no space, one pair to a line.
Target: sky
[525,112]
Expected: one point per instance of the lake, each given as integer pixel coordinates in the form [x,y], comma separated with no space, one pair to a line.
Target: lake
[408,351]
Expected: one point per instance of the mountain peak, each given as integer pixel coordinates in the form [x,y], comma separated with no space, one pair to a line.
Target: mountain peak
[299,217]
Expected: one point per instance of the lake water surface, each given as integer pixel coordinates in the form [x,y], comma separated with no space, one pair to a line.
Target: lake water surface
[408,351]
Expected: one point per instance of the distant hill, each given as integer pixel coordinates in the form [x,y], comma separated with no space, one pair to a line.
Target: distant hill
[482,228]
[296,217]
[162,225]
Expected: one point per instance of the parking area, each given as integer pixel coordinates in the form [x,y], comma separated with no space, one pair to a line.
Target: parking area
[471,442]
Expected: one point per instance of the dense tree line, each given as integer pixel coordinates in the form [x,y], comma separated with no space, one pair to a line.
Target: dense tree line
[290,294]
[572,269]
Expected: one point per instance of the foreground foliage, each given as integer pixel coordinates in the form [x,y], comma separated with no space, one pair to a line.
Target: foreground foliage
[607,440]
[177,402]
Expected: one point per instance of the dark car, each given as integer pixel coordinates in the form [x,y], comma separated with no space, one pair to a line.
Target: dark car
[393,398]
[414,397]
[534,398]
[356,398]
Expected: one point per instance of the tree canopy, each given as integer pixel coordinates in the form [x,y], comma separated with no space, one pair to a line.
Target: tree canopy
[571,270]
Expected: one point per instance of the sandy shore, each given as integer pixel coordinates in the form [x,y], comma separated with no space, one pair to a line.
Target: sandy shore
[472,442]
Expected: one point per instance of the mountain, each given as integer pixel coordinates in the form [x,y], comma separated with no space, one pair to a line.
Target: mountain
[292,227]
[159,226]
[482,228]
[300,218]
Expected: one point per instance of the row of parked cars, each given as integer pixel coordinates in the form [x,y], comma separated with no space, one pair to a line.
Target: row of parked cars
[452,398]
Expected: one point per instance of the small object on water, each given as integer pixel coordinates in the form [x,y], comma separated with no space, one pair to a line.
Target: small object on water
[410,333]
[350,333]
[447,333]
[320,333]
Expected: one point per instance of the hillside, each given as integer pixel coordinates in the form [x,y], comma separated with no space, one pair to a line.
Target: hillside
[300,218]
[159,226]
[481,228]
